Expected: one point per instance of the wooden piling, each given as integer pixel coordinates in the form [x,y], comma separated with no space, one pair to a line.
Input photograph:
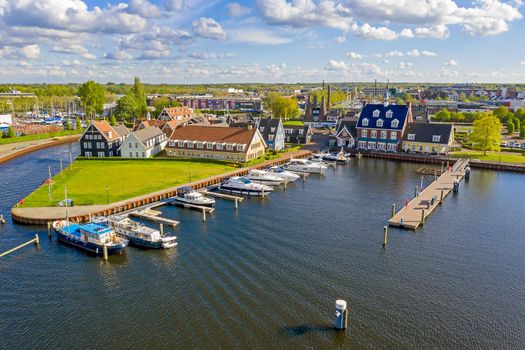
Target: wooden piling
[203,215]
[49,228]
[442,195]
[236,203]
[35,240]
[393,210]
[422,216]
[385,235]
[416,192]
[161,228]
[105,252]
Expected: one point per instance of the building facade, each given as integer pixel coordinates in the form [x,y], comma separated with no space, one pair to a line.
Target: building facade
[273,133]
[428,138]
[298,134]
[100,139]
[346,134]
[208,142]
[144,143]
[380,127]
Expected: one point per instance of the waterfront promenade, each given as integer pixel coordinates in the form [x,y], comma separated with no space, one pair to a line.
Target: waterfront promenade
[418,209]
[13,150]
[43,215]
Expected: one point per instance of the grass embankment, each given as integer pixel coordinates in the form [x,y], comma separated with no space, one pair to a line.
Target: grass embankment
[4,141]
[515,158]
[86,180]
[293,123]
[270,155]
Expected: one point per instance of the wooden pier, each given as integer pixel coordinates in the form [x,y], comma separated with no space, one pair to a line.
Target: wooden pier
[418,209]
[192,206]
[153,216]
[222,195]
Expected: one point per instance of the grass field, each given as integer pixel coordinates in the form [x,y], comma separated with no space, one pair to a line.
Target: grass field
[86,182]
[293,123]
[4,141]
[516,158]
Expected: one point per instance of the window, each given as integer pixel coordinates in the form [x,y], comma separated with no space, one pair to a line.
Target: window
[100,154]
[373,134]
[86,144]
[365,122]
[219,146]
[383,134]
[181,143]
[240,148]
[379,123]
[436,138]
[301,131]
[270,137]
[136,145]
[272,130]
[88,154]
[143,155]
[131,154]
[209,145]
[261,129]
[393,135]
[411,137]
[229,147]
[361,144]
[364,133]
[288,131]
[190,144]
[395,123]
[137,154]
[389,114]
[199,144]
[376,113]
[88,137]
[130,145]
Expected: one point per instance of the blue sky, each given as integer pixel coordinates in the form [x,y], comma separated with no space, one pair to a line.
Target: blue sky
[199,41]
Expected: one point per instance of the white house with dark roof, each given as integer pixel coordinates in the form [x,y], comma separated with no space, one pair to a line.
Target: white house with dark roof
[100,139]
[143,143]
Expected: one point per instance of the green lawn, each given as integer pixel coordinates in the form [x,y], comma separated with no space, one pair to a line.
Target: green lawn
[4,141]
[86,182]
[293,123]
[491,156]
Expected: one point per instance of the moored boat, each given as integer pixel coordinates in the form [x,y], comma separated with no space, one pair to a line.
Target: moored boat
[244,186]
[264,177]
[305,166]
[284,174]
[187,195]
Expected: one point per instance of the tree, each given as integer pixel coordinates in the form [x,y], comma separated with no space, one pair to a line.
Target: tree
[161,103]
[10,132]
[501,113]
[400,101]
[113,121]
[282,107]
[486,135]
[92,96]
[68,124]
[520,114]
[463,97]
[78,123]
[522,131]
[517,124]
[443,115]
[510,127]
[140,96]
[127,108]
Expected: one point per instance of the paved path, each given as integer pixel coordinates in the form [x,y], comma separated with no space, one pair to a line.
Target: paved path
[14,150]
[417,210]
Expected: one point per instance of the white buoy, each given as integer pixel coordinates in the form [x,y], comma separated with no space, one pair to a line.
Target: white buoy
[341,314]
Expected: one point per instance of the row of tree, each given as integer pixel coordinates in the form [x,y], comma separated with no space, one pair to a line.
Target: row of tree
[502,113]
[281,106]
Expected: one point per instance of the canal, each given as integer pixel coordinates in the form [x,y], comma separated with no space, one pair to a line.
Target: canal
[266,276]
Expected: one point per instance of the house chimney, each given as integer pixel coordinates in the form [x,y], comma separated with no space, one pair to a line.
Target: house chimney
[148,116]
[323,108]
[249,126]
[328,98]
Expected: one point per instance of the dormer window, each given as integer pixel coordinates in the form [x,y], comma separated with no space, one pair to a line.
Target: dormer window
[436,138]
[411,137]
[365,122]
[379,123]
[261,128]
[389,114]
[376,113]
[395,123]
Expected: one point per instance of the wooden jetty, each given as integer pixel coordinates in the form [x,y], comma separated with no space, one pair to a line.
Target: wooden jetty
[153,216]
[192,206]
[418,209]
[222,195]
[428,171]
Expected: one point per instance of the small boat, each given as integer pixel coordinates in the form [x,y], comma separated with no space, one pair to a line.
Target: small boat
[284,174]
[305,166]
[138,234]
[244,186]
[187,195]
[264,177]
[317,157]
[339,158]
[90,237]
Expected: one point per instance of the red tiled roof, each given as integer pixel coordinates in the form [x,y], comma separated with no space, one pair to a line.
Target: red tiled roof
[214,134]
[105,129]
[177,111]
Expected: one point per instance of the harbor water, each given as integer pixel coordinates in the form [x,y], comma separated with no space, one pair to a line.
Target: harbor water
[266,276]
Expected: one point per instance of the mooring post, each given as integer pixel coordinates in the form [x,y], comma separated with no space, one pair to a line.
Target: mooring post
[236,203]
[304,177]
[2,219]
[285,182]
[37,239]
[341,315]
[203,215]
[105,252]
[385,235]
[49,228]
[441,200]
[393,210]
[422,216]
[161,229]
[416,192]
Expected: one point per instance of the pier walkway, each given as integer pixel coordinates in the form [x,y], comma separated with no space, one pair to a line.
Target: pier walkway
[418,209]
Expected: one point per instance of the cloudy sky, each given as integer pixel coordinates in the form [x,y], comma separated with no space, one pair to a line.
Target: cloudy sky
[194,41]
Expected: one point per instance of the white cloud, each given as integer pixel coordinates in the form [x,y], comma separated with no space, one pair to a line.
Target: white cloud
[354,55]
[412,53]
[30,51]
[144,8]
[417,53]
[73,49]
[375,33]
[205,55]
[438,32]
[258,36]
[340,39]
[119,55]
[208,28]
[237,10]
[71,63]
[451,63]
[404,65]
[334,65]
[522,62]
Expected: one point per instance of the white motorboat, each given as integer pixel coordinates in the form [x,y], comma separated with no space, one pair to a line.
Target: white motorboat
[284,174]
[188,195]
[244,186]
[339,158]
[305,166]
[264,177]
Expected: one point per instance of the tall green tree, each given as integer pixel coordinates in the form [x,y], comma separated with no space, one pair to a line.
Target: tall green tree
[127,108]
[443,115]
[10,132]
[510,127]
[522,131]
[486,135]
[78,123]
[92,96]
[501,113]
[140,96]
[161,103]
[517,124]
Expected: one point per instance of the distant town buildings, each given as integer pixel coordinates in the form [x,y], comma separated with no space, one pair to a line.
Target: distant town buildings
[428,138]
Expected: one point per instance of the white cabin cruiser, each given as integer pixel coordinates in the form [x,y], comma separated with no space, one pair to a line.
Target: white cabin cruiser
[305,166]
[244,186]
[284,174]
[264,177]
[188,195]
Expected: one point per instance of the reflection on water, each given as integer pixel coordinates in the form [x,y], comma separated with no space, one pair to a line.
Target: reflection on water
[266,276]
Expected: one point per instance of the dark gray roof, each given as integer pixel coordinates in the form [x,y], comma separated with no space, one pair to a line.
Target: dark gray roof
[423,132]
[295,130]
[147,133]
[350,125]
[266,125]
[121,130]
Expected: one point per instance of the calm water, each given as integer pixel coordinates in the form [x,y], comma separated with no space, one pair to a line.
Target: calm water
[267,276]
